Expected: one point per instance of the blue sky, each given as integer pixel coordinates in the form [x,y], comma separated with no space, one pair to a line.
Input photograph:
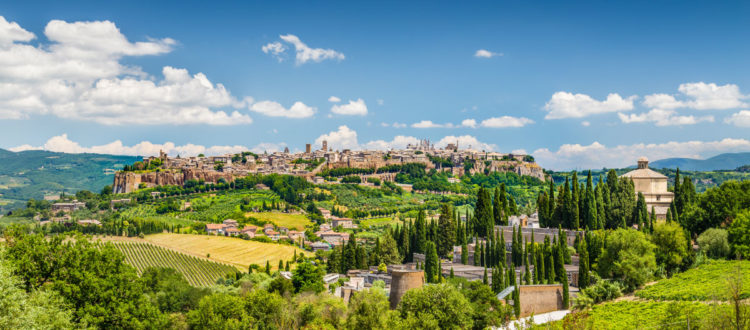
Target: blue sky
[576,84]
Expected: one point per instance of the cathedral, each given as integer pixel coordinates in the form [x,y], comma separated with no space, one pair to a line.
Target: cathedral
[653,186]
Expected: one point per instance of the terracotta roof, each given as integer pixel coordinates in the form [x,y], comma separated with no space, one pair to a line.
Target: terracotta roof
[214,226]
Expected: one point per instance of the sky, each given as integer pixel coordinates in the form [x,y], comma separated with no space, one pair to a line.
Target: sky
[576,84]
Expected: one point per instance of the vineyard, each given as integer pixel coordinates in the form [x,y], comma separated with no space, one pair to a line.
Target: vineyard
[230,250]
[650,314]
[706,282]
[289,220]
[197,271]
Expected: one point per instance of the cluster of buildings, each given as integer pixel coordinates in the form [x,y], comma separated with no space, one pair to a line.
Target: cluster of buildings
[230,227]
[311,162]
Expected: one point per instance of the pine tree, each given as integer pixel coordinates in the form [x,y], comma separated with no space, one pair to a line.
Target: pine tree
[583,264]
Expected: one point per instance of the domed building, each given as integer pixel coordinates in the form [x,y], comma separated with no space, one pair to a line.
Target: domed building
[653,186]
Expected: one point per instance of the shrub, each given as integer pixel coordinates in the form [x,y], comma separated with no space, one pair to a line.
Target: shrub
[714,243]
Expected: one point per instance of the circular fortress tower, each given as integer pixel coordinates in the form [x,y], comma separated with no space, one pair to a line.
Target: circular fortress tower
[402,281]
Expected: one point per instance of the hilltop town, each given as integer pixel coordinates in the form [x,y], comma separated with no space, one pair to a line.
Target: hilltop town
[313,165]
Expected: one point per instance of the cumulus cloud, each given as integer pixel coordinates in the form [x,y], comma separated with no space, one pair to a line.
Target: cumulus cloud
[353,108]
[398,142]
[506,121]
[740,119]
[79,75]
[585,123]
[699,96]
[465,142]
[62,143]
[303,53]
[343,138]
[483,53]
[334,99]
[472,123]
[663,118]
[274,109]
[597,155]
[569,105]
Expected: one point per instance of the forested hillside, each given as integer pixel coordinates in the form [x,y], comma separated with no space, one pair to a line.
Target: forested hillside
[36,173]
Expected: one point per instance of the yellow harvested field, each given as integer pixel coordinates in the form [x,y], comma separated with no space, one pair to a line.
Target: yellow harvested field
[230,250]
[289,220]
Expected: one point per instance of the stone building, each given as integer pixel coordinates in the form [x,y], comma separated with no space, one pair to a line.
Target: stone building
[653,186]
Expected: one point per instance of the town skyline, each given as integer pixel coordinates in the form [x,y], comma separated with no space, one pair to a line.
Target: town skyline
[570,90]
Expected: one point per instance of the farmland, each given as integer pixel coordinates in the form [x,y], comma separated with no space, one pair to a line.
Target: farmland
[234,251]
[706,282]
[649,314]
[289,220]
[197,271]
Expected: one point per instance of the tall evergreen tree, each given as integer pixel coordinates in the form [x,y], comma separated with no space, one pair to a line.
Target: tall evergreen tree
[560,264]
[483,214]
[640,213]
[431,262]
[497,208]
[540,266]
[575,222]
[589,205]
[567,205]
[583,264]
[652,220]
[512,207]
[551,205]
[446,231]
[464,254]
[601,214]
[421,232]
[542,208]
[566,293]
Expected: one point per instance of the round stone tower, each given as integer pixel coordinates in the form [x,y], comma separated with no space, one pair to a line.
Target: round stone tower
[402,281]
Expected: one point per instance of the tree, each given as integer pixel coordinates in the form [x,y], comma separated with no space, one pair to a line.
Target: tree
[435,306]
[464,254]
[739,234]
[307,277]
[38,309]
[421,232]
[265,308]
[486,310]
[388,252]
[640,213]
[714,243]
[589,215]
[446,231]
[368,309]
[583,264]
[431,263]
[671,245]
[483,218]
[628,256]
[497,207]
[219,311]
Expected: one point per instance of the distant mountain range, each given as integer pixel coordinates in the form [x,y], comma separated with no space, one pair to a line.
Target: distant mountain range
[37,173]
[728,161]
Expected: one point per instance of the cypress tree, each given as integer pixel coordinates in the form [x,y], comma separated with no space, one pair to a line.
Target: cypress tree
[559,264]
[551,205]
[484,278]
[446,231]
[517,302]
[421,232]
[539,267]
[583,264]
[431,262]
[652,219]
[497,209]
[512,206]
[451,276]
[566,294]
[669,214]
[542,205]
[574,203]
[527,277]
[268,267]
[281,265]
[589,205]
[464,254]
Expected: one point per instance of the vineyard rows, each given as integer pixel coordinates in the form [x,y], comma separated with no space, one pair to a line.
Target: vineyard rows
[197,271]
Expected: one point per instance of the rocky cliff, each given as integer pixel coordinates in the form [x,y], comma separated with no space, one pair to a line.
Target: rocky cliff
[126,182]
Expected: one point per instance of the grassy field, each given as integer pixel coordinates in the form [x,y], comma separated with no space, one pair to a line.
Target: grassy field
[298,221]
[379,222]
[197,271]
[234,251]
[706,282]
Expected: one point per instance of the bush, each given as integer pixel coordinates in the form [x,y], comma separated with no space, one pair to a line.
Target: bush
[739,234]
[629,257]
[714,243]
[351,179]
[603,290]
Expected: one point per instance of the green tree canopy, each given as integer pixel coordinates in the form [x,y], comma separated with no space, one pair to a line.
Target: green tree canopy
[628,256]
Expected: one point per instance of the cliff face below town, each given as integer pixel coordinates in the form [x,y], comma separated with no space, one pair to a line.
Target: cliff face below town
[126,182]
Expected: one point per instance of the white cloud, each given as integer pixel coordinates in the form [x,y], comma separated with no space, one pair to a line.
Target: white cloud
[699,96]
[472,123]
[394,125]
[353,108]
[506,121]
[569,105]
[519,152]
[465,142]
[597,155]
[483,53]
[343,138]
[334,99]
[303,52]
[274,109]
[79,75]
[740,119]
[276,49]
[430,124]
[62,143]
[380,102]
[585,123]
[398,142]
[663,118]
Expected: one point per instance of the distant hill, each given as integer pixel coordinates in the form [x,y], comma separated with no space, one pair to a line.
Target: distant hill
[728,161]
[36,173]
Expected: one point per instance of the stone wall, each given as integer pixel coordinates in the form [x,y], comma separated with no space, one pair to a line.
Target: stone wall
[538,299]
[126,182]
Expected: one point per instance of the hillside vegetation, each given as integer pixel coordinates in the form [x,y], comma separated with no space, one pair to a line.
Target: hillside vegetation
[705,282]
